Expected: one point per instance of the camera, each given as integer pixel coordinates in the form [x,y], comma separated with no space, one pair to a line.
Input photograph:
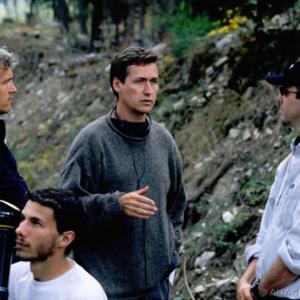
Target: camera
[10,217]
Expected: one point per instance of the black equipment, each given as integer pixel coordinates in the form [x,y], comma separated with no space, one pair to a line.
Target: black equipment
[9,220]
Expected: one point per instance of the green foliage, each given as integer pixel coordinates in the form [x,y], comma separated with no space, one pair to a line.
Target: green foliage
[255,192]
[290,133]
[183,27]
[297,5]
[226,236]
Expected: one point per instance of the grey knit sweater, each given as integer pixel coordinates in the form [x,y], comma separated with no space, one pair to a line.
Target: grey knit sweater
[127,255]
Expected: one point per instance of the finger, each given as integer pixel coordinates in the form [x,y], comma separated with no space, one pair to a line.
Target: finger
[248,295]
[145,210]
[143,190]
[145,200]
[134,214]
[143,204]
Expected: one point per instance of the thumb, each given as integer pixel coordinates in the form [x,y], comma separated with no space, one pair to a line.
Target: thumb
[143,190]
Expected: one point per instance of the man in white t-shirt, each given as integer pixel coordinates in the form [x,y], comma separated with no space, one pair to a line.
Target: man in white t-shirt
[51,220]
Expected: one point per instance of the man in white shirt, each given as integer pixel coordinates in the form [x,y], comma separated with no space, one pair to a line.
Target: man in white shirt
[50,221]
[273,270]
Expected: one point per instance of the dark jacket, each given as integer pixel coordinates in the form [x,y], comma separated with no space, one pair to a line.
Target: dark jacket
[12,185]
[127,255]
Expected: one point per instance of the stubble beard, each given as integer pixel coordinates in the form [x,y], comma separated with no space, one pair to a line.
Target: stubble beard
[42,254]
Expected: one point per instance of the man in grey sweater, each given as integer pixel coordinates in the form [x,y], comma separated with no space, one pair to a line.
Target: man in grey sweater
[127,171]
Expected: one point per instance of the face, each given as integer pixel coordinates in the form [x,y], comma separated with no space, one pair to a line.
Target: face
[137,95]
[37,234]
[7,90]
[289,106]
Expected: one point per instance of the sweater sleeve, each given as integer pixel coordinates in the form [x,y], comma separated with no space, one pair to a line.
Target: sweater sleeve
[80,175]
[95,204]
[177,200]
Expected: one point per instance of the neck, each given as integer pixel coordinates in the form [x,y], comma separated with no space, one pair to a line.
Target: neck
[51,268]
[123,115]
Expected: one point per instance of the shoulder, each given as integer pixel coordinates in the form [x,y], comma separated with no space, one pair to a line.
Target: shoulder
[91,288]
[89,136]
[161,130]
[19,274]
[95,127]
[20,268]
[162,135]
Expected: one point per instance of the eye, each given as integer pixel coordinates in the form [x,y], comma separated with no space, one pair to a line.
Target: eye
[139,81]
[36,223]
[154,82]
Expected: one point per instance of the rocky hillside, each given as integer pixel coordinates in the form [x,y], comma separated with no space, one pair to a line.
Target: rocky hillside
[223,116]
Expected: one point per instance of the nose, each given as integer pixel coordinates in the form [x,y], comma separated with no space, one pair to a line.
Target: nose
[12,88]
[20,230]
[147,87]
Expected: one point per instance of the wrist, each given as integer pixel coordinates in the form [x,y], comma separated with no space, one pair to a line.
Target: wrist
[258,292]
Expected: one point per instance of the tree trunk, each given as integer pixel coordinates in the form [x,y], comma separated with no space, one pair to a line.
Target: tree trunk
[61,13]
[83,16]
[97,19]
[64,14]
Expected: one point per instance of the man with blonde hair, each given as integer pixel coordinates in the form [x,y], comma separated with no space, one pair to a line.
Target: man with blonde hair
[12,185]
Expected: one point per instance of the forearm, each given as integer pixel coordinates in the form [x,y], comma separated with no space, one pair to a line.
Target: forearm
[244,284]
[249,274]
[277,277]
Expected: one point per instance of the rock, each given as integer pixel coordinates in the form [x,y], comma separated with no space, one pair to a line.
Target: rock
[277,144]
[199,289]
[198,101]
[198,166]
[234,133]
[248,94]
[222,282]
[256,134]
[269,131]
[209,71]
[159,48]
[246,135]
[197,235]
[221,62]
[179,105]
[226,41]
[201,261]
[40,92]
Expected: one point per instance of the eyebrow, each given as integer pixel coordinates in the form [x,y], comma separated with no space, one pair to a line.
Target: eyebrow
[32,218]
[7,79]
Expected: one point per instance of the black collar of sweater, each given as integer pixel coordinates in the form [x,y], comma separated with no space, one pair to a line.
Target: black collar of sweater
[132,129]
[2,131]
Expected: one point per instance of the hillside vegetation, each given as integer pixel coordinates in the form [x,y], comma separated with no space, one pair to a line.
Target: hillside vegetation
[214,101]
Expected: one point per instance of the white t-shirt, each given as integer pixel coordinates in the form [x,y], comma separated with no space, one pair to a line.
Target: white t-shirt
[75,284]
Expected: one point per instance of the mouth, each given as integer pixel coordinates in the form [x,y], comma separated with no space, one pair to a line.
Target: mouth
[147,101]
[21,245]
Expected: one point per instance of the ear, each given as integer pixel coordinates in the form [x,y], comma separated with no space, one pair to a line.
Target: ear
[116,84]
[65,239]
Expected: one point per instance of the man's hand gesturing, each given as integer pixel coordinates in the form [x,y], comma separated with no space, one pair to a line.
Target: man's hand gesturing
[136,204]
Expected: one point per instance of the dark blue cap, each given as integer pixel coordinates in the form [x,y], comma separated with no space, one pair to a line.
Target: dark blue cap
[290,76]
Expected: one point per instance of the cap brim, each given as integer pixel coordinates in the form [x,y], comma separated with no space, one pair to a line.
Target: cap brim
[275,79]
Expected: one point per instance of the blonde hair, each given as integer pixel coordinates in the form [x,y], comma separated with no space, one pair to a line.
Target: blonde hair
[7,59]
